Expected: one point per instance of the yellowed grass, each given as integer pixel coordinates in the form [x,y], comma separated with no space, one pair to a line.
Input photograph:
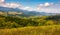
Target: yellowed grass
[40,30]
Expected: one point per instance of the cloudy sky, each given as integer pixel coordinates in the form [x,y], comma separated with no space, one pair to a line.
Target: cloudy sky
[49,6]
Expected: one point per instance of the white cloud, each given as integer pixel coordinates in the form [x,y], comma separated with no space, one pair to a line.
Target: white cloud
[13,5]
[27,8]
[2,1]
[47,4]
[49,8]
[10,5]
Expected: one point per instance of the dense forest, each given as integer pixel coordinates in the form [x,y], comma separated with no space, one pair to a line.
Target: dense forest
[15,22]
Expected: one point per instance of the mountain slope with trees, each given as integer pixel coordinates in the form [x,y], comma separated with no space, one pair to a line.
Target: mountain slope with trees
[15,22]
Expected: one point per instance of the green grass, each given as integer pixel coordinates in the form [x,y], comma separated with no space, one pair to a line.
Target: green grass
[40,30]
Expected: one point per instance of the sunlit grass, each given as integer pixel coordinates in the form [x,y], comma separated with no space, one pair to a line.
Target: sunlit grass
[30,30]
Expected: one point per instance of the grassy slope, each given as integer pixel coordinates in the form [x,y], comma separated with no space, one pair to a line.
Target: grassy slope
[41,30]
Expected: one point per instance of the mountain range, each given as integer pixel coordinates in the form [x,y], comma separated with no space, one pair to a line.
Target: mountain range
[25,12]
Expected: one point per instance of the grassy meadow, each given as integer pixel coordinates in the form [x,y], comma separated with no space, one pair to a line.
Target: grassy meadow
[39,30]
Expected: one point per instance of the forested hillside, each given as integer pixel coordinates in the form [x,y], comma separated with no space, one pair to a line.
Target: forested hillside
[15,22]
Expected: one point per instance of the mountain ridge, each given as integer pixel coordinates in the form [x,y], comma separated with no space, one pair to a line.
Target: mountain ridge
[25,12]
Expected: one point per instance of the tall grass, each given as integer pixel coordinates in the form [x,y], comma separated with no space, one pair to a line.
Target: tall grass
[40,30]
